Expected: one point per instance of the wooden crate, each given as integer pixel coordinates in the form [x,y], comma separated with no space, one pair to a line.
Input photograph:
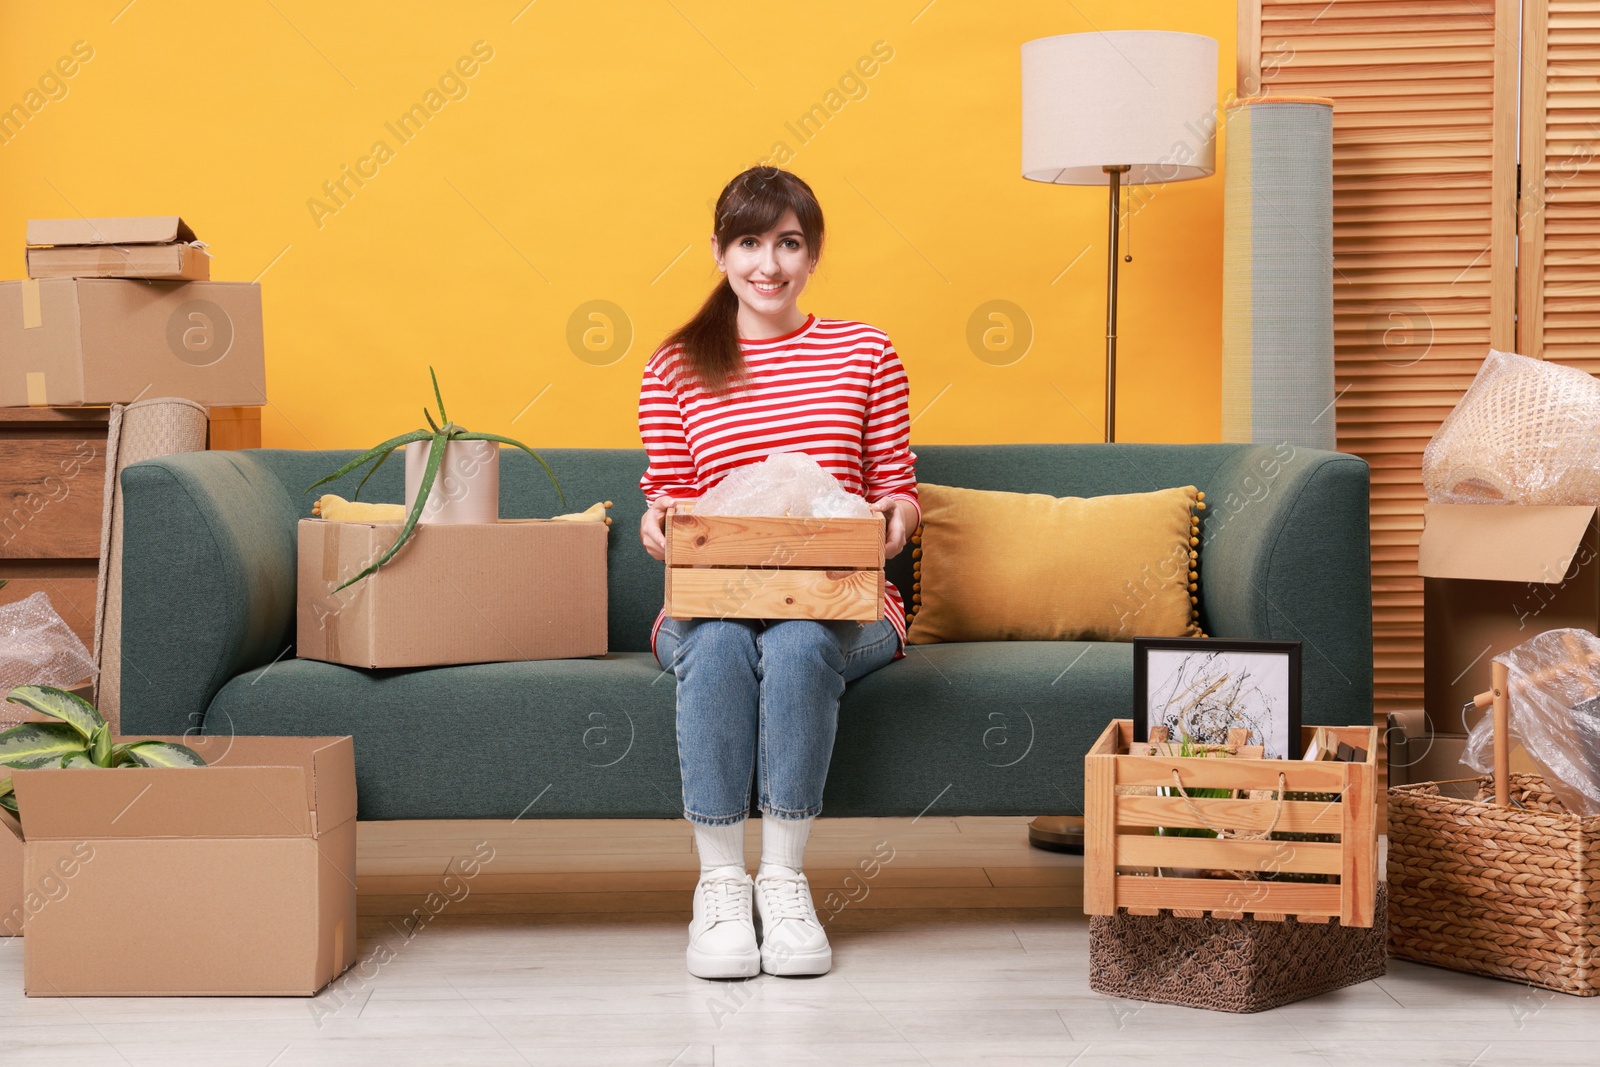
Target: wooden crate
[1122,813]
[757,567]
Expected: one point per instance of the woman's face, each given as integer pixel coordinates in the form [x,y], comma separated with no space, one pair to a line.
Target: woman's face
[768,271]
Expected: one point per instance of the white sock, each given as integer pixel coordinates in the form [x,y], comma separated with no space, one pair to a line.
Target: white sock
[783,841]
[719,846]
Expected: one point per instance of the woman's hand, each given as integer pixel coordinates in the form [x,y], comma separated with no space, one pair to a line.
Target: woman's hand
[651,527]
[902,520]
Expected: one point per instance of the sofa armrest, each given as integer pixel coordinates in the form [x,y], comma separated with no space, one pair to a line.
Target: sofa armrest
[1286,555]
[208,583]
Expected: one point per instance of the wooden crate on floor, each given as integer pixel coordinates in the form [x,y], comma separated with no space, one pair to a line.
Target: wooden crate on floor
[759,567]
[1123,810]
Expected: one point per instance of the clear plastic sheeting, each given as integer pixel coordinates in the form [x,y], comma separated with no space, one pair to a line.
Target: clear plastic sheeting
[38,648]
[1526,432]
[1554,685]
[785,483]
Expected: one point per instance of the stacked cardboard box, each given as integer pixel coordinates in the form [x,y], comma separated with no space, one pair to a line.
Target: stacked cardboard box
[163,247]
[110,314]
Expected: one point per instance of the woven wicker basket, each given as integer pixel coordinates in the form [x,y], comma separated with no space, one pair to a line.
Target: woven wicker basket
[1239,965]
[1500,879]
[1509,892]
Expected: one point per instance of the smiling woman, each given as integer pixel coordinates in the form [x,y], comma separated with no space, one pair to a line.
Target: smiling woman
[748,376]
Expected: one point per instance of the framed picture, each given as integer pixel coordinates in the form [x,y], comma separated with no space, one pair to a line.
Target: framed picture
[1199,688]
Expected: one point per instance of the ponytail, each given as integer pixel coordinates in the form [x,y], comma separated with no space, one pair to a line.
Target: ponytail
[711,340]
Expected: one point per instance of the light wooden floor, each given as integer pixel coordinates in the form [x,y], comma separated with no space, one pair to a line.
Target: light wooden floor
[961,946]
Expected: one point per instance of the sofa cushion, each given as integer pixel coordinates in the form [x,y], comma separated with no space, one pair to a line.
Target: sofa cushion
[993,566]
[595,738]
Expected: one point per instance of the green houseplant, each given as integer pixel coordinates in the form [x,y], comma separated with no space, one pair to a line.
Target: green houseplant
[81,738]
[440,433]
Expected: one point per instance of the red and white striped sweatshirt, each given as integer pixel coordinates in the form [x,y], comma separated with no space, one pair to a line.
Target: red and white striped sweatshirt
[833,389]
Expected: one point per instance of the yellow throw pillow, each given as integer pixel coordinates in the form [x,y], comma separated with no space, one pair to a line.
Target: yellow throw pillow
[1029,567]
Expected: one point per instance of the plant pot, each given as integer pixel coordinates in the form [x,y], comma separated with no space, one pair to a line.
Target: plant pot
[467,487]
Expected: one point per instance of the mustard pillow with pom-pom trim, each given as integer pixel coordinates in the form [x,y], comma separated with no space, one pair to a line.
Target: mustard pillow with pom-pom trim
[989,566]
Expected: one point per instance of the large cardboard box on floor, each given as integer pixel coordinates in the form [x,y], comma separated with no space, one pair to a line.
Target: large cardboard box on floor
[70,342]
[235,879]
[518,589]
[159,247]
[1496,575]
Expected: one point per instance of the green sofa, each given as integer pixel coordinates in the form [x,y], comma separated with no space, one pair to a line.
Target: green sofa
[208,624]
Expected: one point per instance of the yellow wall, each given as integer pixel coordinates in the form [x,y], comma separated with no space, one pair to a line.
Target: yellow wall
[580,165]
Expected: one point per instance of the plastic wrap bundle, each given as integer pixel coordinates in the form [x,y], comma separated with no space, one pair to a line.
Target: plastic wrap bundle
[1526,432]
[783,484]
[37,648]
[1554,684]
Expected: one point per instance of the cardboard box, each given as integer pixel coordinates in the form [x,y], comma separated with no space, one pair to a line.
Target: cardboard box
[486,593]
[761,567]
[1495,576]
[163,247]
[112,341]
[237,879]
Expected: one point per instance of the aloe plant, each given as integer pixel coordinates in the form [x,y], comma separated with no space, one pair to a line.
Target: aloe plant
[441,433]
[80,739]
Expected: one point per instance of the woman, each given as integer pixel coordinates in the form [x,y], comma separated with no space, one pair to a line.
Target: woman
[748,376]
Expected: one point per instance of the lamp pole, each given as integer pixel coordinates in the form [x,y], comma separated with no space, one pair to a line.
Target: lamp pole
[1116,173]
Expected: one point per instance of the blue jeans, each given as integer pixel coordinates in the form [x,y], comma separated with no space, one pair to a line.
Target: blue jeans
[760,699]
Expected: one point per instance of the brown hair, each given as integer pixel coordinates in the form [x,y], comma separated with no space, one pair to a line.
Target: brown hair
[752,203]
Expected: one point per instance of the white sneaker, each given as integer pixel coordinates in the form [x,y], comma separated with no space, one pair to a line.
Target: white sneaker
[792,940]
[722,937]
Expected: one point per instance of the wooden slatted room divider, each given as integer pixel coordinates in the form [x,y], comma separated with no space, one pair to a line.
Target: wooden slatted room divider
[1424,241]
[1558,284]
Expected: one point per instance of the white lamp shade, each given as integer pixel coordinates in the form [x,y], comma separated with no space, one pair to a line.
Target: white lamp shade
[1144,99]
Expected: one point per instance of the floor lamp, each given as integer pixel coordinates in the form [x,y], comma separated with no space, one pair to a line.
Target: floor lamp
[1127,107]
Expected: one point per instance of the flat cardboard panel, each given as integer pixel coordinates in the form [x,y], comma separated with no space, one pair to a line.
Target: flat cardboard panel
[173,261]
[1503,543]
[107,340]
[176,917]
[493,592]
[152,229]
